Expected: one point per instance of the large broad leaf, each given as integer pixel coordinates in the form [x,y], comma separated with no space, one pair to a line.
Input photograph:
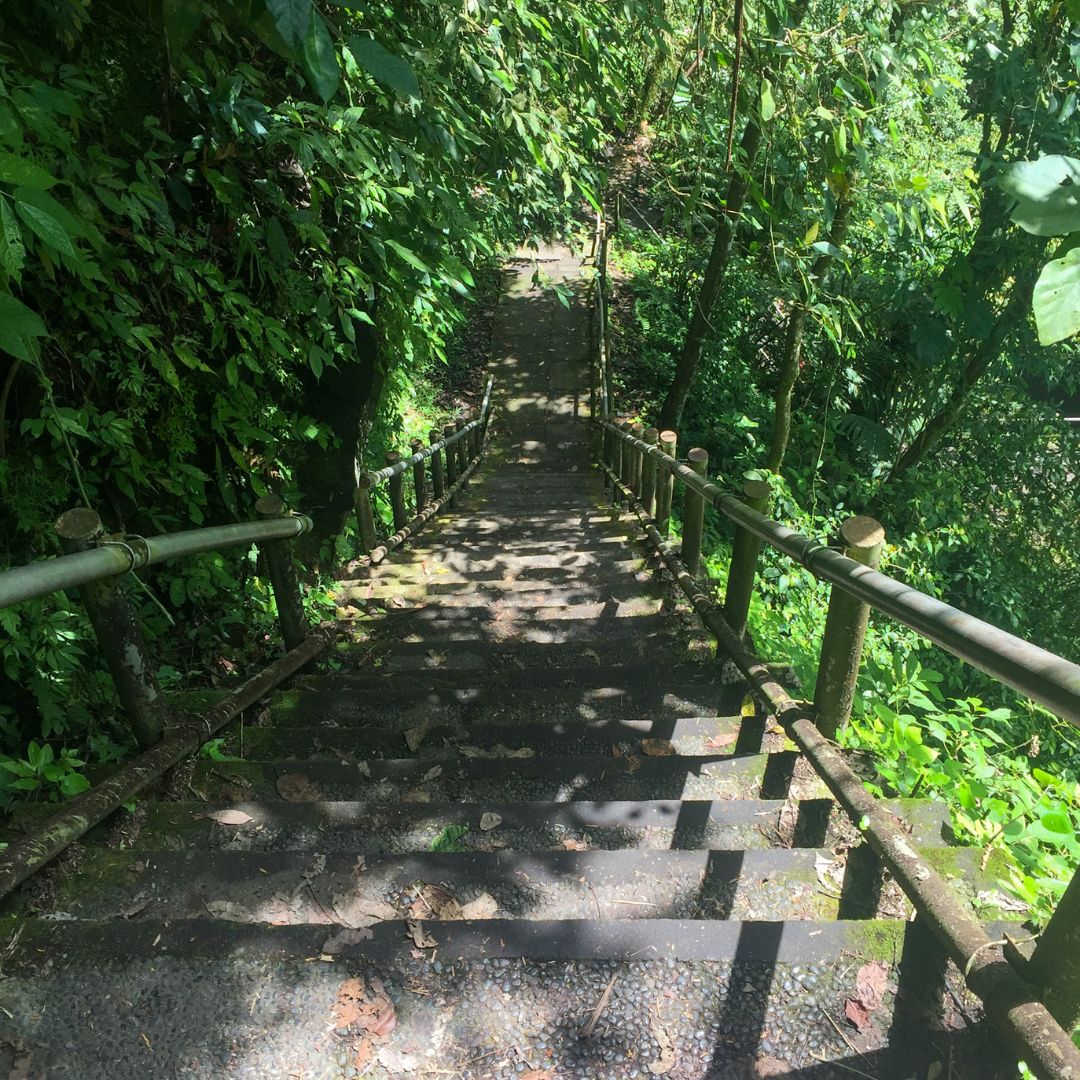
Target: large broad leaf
[12,252]
[292,18]
[19,327]
[46,225]
[1047,194]
[768,102]
[182,18]
[1056,300]
[384,66]
[17,170]
[320,59]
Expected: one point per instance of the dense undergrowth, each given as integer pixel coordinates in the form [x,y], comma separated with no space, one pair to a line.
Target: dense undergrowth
[926,724]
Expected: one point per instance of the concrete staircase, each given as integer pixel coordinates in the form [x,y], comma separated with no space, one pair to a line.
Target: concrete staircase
[524,824]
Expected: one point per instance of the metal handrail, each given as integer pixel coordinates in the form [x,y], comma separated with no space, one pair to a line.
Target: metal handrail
[1037,673]
[119,556]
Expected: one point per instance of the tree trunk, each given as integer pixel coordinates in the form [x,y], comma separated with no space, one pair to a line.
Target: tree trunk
[694,343]
[791,362]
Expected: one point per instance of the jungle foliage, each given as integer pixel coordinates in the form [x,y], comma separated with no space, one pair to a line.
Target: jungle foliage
[235,240]
[872,301]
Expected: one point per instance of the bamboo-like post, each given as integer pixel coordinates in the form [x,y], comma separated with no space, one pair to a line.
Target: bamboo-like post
[438,484]
[665,483]
[119,635]
[451,464]
[419,474]
[744,559]
[616,458]
[845,631]
[365,516]
[694,512]
[647,495]
[397,493]
[282,572]
[1055,963]
[636,460]
[461,447]
[627,473]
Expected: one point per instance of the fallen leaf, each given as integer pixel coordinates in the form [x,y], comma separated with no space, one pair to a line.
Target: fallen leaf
[538,1074]
[229,912]
[230,817]
[359,913]
[354,1008]
[666,1061]
[420,937]
[489,821]
[415,736]
[657,748]
[573,844]
[500,750]
[870,984]
[433,774]
[344,938]
[766,1066]
[440,902]
[718,742]
[416,795]
[830,872]
[485,906]
[296,787]
[857,1013]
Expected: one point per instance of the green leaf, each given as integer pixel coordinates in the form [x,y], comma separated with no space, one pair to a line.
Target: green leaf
[292,19]
[12,252]
[45,226]
[182,18]
[320,59]
[17,170]
[19,326]
[1056,299]
[1056,821]
[1047,193]
[768,103]
[384,66]
[410,257]
[74,783]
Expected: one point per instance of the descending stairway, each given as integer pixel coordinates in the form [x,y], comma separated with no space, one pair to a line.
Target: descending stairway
[521,826]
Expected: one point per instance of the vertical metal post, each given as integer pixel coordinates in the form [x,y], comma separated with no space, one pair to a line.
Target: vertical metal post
[744,558]
[451,463]
[694,512]
[647,495]
[845,631]
[636,460]
[665,483]
[397,493]
[419,474]
[118,633]
[438,486]
[365,516]
[279,563]
[1055,963]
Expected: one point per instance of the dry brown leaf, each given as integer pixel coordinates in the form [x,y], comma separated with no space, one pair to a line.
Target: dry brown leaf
[657,748]
[230,817]
[667,1059]
[415,736]
[489,821]
[229,912]
[485,906]
[354,1008]
[393,1061]
[359,913]
[857,1013]
[573,844]
[440,902]
[766,1067]
[870,983]
[538,1074]
[296,787]
[414,929]
[718,742]
[433,774]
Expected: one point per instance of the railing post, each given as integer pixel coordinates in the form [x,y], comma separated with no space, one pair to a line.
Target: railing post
[438,485]
[616,460]
[451,463]
[665,483]
[462,449]
[397,493]
[636,460]
[647,494]
[279,564]
[626,472]
[744,558]
[476,439]
[419,476]
[365,516]
[845,631]
[694,512]
[118,633]
[1055,963]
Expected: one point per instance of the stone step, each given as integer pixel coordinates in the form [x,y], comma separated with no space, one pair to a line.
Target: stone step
[443,777]
[434,612]
[547,567]
[582,673]
[382,829]
[335,887]
[392,655]
[399,708]
[530,594]
[494,999]
[692,736]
